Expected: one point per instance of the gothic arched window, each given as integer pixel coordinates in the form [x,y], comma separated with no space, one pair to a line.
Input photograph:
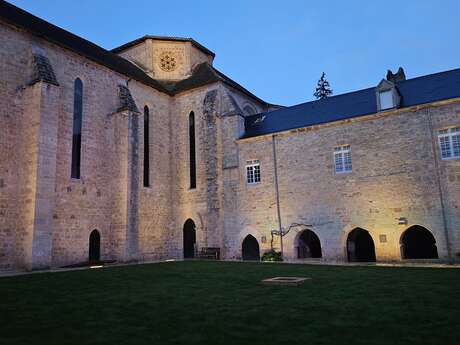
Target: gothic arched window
[77,123]
[192,161]
[146,148]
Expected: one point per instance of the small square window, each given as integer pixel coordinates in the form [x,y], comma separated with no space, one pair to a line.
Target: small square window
[386,100]
[252,171]
[342,159]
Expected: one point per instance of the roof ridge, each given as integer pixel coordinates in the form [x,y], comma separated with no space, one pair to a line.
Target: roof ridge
[158,37]
[416,91]
[362,90]
[315,101]
[429,75]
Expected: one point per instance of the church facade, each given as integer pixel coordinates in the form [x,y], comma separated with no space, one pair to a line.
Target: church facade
[148,152]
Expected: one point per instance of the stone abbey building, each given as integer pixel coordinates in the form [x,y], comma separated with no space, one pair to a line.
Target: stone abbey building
[147,152]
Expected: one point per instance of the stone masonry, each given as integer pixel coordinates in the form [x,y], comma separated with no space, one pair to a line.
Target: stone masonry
[46,216]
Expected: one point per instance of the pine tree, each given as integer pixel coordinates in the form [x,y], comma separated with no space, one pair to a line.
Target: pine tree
[323,89]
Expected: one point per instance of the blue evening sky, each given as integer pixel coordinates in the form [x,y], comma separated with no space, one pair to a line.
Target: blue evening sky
[278,49]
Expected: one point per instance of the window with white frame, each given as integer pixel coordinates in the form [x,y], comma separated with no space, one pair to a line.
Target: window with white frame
[342,159]
[252,171]
[386,99]
[449,143]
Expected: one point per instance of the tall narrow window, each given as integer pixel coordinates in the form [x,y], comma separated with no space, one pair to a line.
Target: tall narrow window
[449,142]
[191,134]
[342,159]
[252,171]
[146,148]
[77,122]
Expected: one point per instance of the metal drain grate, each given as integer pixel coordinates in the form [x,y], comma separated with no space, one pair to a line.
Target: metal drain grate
[289,281]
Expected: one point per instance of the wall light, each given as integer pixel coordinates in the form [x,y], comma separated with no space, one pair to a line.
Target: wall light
[402,220]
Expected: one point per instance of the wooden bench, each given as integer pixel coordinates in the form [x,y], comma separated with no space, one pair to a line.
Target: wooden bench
[210,253]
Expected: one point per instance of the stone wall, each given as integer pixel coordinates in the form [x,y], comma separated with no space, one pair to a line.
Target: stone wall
[46,216]
[218,122]
[141,55]
[395,168]
[95,200]
[148,54]
[10,109]
[190,203]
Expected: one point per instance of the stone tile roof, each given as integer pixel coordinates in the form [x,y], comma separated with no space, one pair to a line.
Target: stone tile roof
[416,91]
[42,70]
[163,38]
[126,100]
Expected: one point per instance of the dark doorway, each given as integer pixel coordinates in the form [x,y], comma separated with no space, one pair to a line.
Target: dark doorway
[189,239]
[250,248]
[308,245]
[360,246]
[418,243]
[94,246]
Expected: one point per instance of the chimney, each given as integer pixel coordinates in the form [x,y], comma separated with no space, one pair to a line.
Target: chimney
[397,77]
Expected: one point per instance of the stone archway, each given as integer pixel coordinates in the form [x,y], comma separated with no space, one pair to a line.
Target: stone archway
[308,245]
[189,237]
[360,246]
[418,242]
[250,248]
[94,246]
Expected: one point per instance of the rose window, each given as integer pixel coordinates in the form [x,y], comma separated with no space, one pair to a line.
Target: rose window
[168,62]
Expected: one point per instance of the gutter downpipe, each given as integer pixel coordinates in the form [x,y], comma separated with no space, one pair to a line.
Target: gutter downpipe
[438,180]
[277,193]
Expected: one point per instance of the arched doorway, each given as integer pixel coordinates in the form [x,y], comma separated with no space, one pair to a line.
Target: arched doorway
[250,248]
[308,245]
[94,246]
[189,239]
[418,243]
[360,246]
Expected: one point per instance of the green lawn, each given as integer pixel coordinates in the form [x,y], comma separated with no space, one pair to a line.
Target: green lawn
[224,303]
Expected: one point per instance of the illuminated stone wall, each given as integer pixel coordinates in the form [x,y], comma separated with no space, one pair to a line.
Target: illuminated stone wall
[98,200]
[218,123]
[102,199]
[46,216]
[394,175]
[10,238]
[166,60]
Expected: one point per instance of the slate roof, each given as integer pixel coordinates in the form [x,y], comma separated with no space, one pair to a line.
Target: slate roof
[163,38]
[42,70]
[126,100]
[202,76]
[416,91]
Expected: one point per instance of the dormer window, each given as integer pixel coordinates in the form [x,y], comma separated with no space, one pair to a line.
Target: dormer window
[387,96]
[386,100]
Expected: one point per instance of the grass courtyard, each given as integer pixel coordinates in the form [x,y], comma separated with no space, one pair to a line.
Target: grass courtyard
[224,303]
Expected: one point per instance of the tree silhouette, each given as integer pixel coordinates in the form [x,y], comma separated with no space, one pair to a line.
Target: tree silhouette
[323,89]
